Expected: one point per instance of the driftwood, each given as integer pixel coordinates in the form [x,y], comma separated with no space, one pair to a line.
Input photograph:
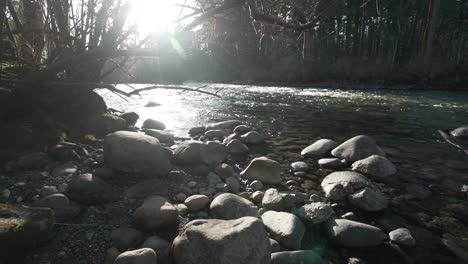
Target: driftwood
[447,138]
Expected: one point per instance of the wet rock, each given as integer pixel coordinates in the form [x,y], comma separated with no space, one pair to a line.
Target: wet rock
[338,185]
[125,238]
[257,197]
[153,124]
[138,256]
[33,161]
[63,208]
[332,163]
[241,129]
[402,236]
[197,202]
[320,148]
[461,132]
[315,213]
[154,213]
[252,137]
[182,209]
[136,153]
[161,135]
[89,189]
[215,153]
[349,233]
[376,166]
[233,184]
[286,228]
[264,170]
[369,199]
[229,124]
[215,133]
[242,240]
[230,206]
[273,200]
[357,148]
[160,246]
[297,257]
[457,246]
[130,117]
[299,166]
[235,146]
[274,246]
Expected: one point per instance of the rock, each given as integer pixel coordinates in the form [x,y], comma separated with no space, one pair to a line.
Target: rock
[461,132]
[274,246]
[190,152]
[215,133]
[89,189]
[233,184]
[161,135]
[369,199]
[264,170]
[182,209]
[338,185]
[106,123]
[61,205]
[297,257]
[111,255]
[230,206]
[153,124]
[319,149]
[48,190]
[315,213]
[64,170]
[242,240]
[376,166]
[235,146]
[257,197]
[160,246]
[256,185]
[136,153]
[197,202]
[152,104]
[402,236]
[357,148]
[154,213]
[229,124]
[285,228]
[252,137]
[241,129]
[130,117]
[273,200]
[125,238]
[103,173]
[196,131]
[147,188]
[299,166]
[332,163]
[22,229]
[349,233]
[225,171]
[138,256]
[457,246]
[63,187]
[215,153]
[63,152]
[33,161]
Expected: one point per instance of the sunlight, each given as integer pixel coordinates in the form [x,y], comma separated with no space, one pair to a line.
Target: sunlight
[156,15]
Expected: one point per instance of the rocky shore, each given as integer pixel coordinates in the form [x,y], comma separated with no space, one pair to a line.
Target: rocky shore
[224,195]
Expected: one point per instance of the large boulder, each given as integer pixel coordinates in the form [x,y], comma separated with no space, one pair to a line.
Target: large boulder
[154,213]
[376,166]
[357,148]
[243,240]
[216,153]
[136,153]
[319,148]
[285,228]
[263,169]
[349,233]
[138,256]
[190,152]
[89,189]
[153,124]
[461,132]
[160,246]
[338,185]
[230,206]
[297,257]
[197,202]
[273,200]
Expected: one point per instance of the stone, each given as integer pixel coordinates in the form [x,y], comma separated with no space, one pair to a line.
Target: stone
[257,197]
[161,135]
[285,228]
[215,153]
[136,153]
[243,240]
[138,256]
[402,236]
[299,166]
[338,185]
[332,163]
[48,190]
[256,185]
[104,124]
[235,146]
[263,169]
[190,152]
[215,133]
[154,213]
[89,189]
[33,161]
[63,208]
[357,148]
[369,199]
[67,169]
[349,233]
[230,206]
[461,132]
[180,197]
[233,184]
[297,257]
[241,129]
[147,188]
[273,200]
[252,137]
[274,246]
[229,124]
[160,246]
[182,209]
[319,148]
[130,117]
[153,124]
[376,166]
[125,238]
[196,131]
[315,213]
[197,202]
[225,171]
[61,152]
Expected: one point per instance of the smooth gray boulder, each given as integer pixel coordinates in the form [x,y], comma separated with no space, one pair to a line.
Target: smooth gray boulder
[319,148]
[230,206]
[153,124]
[89,189]
[285,228]
[252,137]
[136,153]
[154,213]
[402,236]
[357,148]
[349,233]
[315,213]
[215,133]
[190,152]
[263,169]
[338,185]
[215,153]
[161,135]
[273,200]
[138,256]
[235,146]
[369,199]
[197,202]
[376,166]
[297,257]
[208,241]
[461,132]
[332,163]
